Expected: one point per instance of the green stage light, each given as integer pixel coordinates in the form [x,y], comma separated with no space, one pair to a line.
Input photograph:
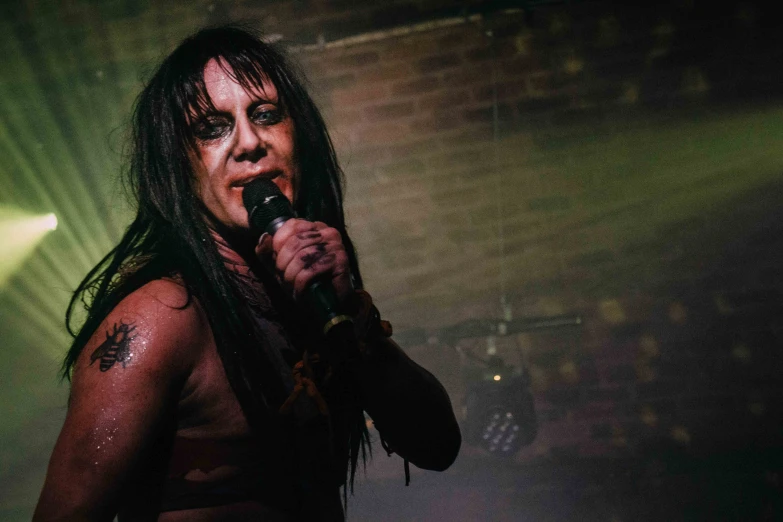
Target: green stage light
[50,221]
[21,232]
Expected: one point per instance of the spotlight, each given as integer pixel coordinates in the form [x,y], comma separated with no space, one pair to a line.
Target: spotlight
[500,414]
[501,431]
[21,232]
[50,221]
[498,409]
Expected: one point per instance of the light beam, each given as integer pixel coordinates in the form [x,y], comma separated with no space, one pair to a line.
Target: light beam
[20,232]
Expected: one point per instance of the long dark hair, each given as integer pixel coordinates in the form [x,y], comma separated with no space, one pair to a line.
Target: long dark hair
[169,235]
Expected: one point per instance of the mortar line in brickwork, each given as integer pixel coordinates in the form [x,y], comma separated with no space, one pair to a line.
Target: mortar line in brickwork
[394,32]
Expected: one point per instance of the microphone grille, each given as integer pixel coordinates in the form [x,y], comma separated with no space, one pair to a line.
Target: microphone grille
[265,203]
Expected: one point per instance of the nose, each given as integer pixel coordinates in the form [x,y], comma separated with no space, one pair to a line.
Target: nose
[248,145]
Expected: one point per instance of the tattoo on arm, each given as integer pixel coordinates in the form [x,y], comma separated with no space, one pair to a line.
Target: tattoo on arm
[116,347]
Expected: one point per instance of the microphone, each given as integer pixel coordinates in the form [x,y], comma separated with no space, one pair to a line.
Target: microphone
[268,210]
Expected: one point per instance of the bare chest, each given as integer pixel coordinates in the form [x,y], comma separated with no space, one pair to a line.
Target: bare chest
[208,407]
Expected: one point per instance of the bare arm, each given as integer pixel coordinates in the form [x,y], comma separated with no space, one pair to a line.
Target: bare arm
[125,387]
[410,408]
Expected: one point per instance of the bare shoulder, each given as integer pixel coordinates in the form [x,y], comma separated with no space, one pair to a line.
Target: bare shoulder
[159,328]
[125,389]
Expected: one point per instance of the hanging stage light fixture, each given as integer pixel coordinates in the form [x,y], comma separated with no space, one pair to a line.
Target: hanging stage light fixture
[499,412]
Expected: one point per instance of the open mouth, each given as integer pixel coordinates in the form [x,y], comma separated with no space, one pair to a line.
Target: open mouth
[266,175]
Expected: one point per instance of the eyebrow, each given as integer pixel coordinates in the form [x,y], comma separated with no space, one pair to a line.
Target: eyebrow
[258,97]
[209,114]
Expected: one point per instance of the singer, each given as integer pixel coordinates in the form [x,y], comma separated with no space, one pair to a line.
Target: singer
[201,387]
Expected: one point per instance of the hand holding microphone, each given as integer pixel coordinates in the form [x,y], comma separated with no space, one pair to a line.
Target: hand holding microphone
[309,257]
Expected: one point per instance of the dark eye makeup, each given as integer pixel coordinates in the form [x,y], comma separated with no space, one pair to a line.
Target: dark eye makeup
[212,127]
[266,114]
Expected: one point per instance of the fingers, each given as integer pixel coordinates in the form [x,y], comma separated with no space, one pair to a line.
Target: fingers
[303,251]
[264,247]
[323,266]
[292,228]
[306,248]
[270,247]
[309,263]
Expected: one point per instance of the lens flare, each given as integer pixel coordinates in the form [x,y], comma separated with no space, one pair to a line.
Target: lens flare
[20,232]
[51,221]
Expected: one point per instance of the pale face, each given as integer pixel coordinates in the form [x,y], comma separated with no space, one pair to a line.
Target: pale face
[247,137]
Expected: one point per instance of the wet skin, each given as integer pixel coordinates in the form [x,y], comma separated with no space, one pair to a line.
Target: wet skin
[159,373]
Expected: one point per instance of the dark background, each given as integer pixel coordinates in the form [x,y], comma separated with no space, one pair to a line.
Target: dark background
[505,161]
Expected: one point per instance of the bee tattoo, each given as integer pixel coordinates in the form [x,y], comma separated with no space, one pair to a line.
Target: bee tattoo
[116,347]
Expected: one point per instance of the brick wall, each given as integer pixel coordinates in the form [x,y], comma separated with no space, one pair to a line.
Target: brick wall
[621,164]
[572,159]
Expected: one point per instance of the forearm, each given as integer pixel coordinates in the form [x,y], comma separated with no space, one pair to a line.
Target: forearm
[66,499]
[52,508]
[409,407]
